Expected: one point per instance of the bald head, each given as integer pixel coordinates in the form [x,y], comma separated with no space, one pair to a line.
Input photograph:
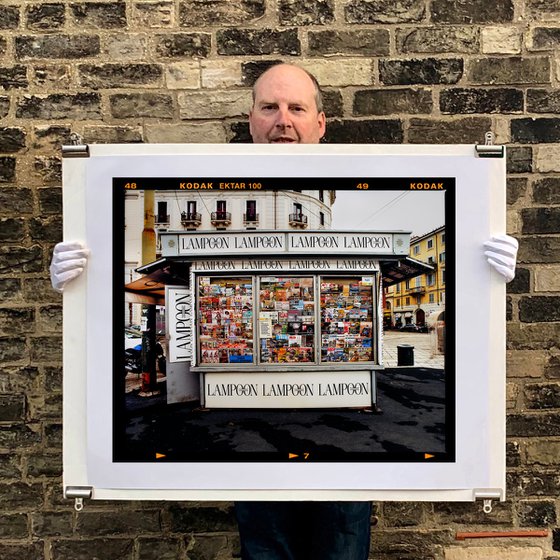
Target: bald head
[287,107]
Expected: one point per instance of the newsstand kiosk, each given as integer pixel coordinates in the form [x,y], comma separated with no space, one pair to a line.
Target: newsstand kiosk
[284,319]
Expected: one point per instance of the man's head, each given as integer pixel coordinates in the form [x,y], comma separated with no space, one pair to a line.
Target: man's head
[287,107]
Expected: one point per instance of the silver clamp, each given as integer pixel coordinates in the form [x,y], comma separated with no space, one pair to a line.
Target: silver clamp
[487,496]
[76,148]
[489,149]
[79,493]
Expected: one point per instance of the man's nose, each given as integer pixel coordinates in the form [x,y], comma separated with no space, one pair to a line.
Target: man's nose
[283,118]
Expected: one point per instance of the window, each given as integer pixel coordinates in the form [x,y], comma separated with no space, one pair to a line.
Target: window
[418,281]
[322,196]
[298,209]
[443,238]
[442,257]
[430,279]
[398,288]
[431,260]
[398,303]
[443,276]
[407,302]
[251,211]
[407,284]
[191,208]
[322,218]
[162,217]
[416,249]
[430,243]
[221,209]
[432,298]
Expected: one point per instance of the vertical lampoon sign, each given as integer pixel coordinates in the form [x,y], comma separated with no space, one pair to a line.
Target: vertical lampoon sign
[179,309]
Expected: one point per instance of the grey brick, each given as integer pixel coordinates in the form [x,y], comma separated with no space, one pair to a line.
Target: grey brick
[51,137]
[303,12]
[384,11]
[391,101]
[45,16]
[50,318]
[535,131]
[17,437]
[10,289]
[50,200]
[470,100]
[540,220]
[469,130]
[201,519]
[509,70]
[542,396]
[363,42]
[421,71]
[46,348]
[250,71]
[448,513]
[102,15]
[7,169]
[475,11]
[51,524]
[49,168]
[533,424]
[19,495]
[409,544]
[9,17]
[12,229]
[44,465]
[13,349]
[119,75]
[13,526]
[537,513]
[258,42]
[119,522]
[403,514]
[543,101]
[56,46]
[530,484]
[39,290]
[10,465]
[154,105]
[537,309]
[543,9]
[438,40]
[180,45]
[513,454]
[332,103]
[112,134]
[14,258]
[12,408]
[380,131]
[166,549]
[107,549]
[197,13]
[516,188]
[544,38]
[519,159]
[17,320]
[4,106]
[547,190]
[81,106]
[13,77]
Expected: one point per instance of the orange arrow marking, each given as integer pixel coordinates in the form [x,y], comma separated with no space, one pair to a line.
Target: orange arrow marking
[428,456]
[292,456]
[160,455]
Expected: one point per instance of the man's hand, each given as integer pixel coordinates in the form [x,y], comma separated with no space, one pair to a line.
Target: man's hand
[68,262]
[501,254]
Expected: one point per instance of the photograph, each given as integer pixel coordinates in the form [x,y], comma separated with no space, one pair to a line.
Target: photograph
[314,319]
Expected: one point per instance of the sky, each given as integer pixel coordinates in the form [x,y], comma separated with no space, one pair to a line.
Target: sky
[416,211]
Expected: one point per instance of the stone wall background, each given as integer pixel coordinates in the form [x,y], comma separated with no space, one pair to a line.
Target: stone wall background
[417,71]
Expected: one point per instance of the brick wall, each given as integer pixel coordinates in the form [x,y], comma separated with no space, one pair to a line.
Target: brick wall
[180,71]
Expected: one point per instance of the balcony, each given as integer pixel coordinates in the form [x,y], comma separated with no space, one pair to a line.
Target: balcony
[220,218]
[250,218]
[162,219]
[418,290]
[298,220]
[191,219]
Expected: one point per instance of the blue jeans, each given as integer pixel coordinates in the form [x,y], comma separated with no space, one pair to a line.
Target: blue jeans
[304,530]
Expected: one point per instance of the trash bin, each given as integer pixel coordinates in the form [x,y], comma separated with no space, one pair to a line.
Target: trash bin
[405,355]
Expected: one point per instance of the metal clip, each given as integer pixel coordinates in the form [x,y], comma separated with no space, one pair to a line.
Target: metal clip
[79,493]
[489,149]
[76,148]
[487,506]
[79,504]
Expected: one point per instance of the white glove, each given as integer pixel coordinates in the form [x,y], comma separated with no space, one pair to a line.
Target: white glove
[501,254]
[68,262]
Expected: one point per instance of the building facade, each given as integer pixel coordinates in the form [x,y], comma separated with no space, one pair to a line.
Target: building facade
[411,302]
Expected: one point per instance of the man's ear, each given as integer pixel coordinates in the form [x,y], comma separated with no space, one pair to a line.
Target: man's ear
[322,119]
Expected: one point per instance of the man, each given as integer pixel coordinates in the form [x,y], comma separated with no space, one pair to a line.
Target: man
[287,108]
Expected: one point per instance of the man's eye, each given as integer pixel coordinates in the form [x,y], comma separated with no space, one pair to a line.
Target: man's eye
[298,109]
[268,107]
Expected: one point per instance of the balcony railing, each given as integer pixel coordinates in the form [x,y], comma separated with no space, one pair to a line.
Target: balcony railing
[191,219]
[250,218]
[418,290]
[162,219]
[298,220]
[220,218]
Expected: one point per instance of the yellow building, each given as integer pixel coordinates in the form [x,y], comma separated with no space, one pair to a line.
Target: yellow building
[413,301]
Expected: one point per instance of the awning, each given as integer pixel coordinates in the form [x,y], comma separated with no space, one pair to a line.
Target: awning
[396,271]
[150,289]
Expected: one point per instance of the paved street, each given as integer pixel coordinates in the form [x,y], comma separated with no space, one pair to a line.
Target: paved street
[412,420]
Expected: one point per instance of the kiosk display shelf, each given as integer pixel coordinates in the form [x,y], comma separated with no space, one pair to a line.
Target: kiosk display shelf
[346,319]
[287,319]
[226,320]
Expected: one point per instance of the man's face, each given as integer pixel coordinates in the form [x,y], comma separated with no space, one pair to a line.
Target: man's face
[285,109]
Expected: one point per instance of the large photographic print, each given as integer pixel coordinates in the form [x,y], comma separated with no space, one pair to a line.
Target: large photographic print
[293,319]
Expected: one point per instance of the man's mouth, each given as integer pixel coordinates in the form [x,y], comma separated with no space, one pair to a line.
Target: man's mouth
[282,140]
